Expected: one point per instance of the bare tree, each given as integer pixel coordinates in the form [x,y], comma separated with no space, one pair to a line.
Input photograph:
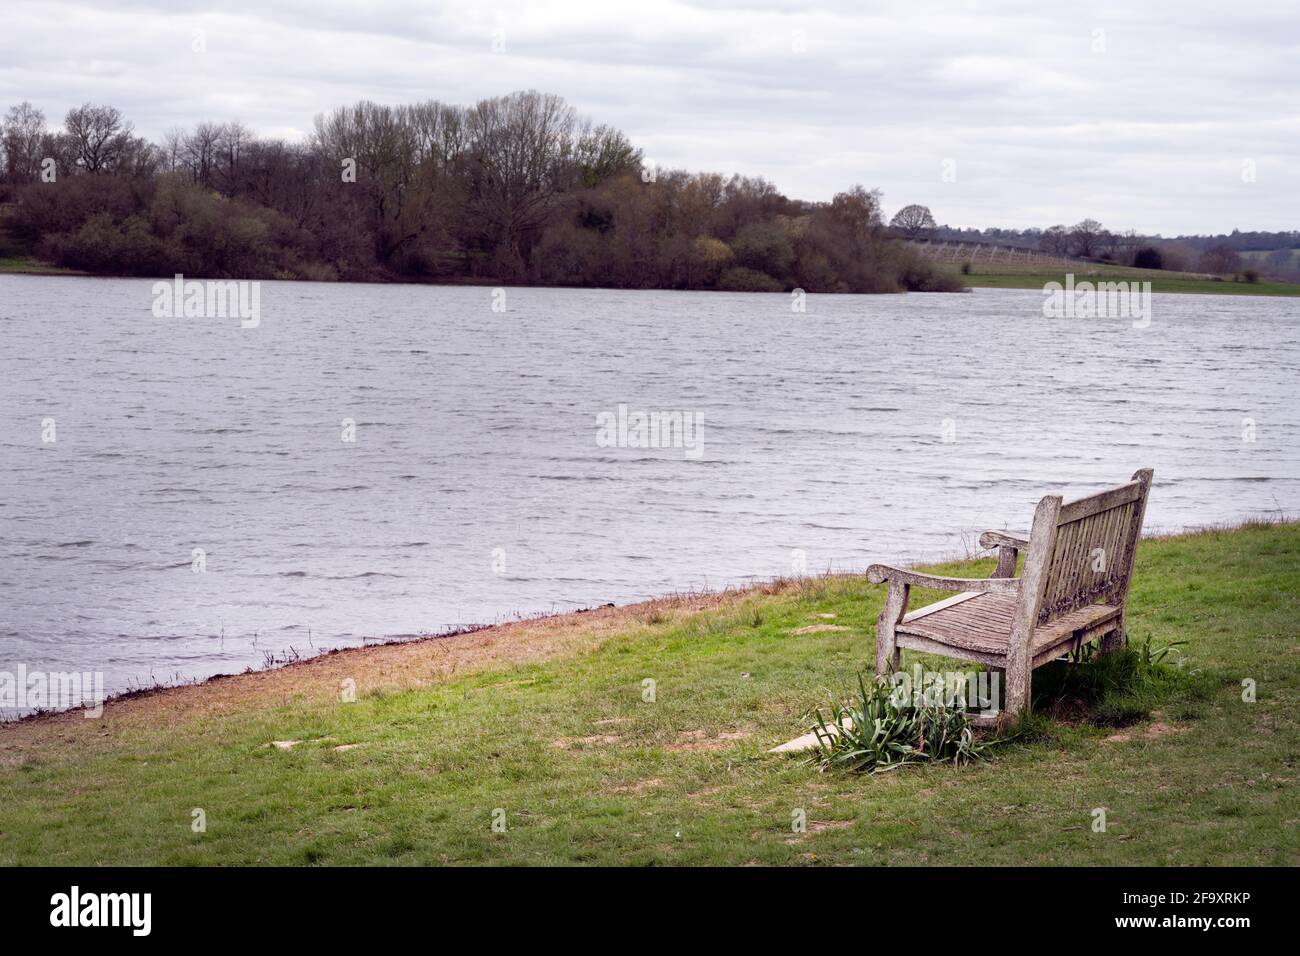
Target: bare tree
[1088,237]
[99,137]
[403,159]
[22,138]
[1056,240]
[199,150]
[1107,244]
[914,221]
[1220,260]
[601,152]
[172,149]
[521,158]
[1127,244]
[232,142]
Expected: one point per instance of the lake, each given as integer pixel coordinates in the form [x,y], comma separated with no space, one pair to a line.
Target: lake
[184,497]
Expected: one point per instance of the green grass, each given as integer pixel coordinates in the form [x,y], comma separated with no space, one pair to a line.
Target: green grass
[25,265]
[586,771]
[1160,281]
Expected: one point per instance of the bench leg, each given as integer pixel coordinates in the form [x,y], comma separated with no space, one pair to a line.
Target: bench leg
[1112,642]
[887,651]
[1019,677]
[1019,686]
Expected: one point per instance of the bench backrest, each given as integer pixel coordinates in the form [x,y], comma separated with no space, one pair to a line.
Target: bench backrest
[1087,557]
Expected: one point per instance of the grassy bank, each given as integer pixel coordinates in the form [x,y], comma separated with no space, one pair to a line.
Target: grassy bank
[25,265]
[546,722]
[1160,281]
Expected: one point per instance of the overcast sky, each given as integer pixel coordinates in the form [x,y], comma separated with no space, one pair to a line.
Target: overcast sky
[1148,115]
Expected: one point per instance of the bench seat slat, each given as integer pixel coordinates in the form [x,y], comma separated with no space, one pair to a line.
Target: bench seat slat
[981,625]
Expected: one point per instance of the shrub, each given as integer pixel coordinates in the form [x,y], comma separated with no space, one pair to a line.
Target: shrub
[740,279]
[813,272]
[569,255]
[44,209]
[916,273]
[1148,257]
[101,245]
[877,732]
[763,247]
[1113,689]
[708,258]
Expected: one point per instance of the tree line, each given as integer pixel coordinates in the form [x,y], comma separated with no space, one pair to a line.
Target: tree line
[518,188]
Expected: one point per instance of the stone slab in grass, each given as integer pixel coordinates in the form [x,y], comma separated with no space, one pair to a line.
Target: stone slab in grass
[809,740]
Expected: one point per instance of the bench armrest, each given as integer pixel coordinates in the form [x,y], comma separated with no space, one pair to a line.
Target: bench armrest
[1009,545]
[879,573]
[1008,539]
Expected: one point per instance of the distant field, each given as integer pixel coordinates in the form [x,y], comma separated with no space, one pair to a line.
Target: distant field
[1002,268]
[1160,281]
[1257,256]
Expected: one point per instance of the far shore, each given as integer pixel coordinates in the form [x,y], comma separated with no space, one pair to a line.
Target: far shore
[1162,283]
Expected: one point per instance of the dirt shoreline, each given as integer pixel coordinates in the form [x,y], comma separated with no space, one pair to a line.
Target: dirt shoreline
[395,665]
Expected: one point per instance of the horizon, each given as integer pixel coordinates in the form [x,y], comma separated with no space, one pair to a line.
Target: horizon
[1111,119]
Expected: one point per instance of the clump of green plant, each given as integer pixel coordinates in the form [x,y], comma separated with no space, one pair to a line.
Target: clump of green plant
[878,732]
[1114,689]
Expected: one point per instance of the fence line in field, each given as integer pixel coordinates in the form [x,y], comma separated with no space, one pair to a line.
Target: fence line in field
[951,250]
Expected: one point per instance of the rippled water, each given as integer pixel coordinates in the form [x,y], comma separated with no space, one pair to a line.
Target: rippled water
[476,488]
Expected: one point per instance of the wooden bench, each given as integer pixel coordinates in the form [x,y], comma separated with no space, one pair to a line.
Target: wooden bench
[1073,590]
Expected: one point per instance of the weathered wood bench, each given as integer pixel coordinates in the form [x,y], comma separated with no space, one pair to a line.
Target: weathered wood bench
[1073,590]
